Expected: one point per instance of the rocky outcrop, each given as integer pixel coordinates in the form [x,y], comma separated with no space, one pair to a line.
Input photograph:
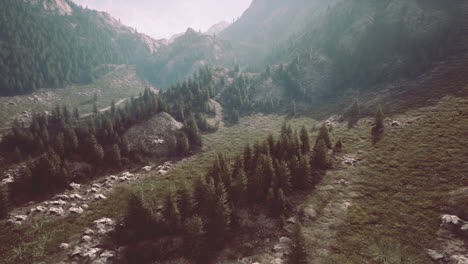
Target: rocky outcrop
[153,133]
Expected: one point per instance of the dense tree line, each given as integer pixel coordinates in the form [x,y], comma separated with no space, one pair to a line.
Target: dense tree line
[41,49]
[190,101]
[53,142]
[197,221]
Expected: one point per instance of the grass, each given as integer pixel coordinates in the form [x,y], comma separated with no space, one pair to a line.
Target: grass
[119,84]
[40,241]
[404,180]
[400,187]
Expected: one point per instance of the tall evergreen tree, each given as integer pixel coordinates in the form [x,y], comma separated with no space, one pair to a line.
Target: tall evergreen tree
[305,141]
[320,155]
[324,135]
[3,203]
[298,253]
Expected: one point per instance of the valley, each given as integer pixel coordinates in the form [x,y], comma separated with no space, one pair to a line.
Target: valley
[321,132]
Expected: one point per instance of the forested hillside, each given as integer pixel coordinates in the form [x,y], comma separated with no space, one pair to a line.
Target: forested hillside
[353,48]
[41,48]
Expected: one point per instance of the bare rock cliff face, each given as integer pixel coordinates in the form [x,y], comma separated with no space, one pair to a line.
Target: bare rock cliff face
[60,7]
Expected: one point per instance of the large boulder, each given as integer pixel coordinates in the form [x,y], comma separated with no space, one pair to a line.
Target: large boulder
[154,133]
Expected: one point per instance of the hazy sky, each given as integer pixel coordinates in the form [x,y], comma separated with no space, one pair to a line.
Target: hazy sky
[164,18]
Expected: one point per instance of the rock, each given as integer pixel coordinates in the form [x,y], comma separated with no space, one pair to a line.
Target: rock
[279,248]
[127,174]
[349,161]
[113,178]
[104,221]
[124,179]
[92,254]
[17,219]
[108,185]
[62,197]
[89,232]
[75,186]
[162,172]
[435,255]
[346,204]
[38,209]
[310,212]
[64,246]
[100,196]
[107,254]
[343,181]
[58,203]
[285,240]
[277,261]
[77,251]
[56,211]
[147,168]
[326,188]
[76,210]
[458,259]
[86,239]
[76,197]
[93,190]
[8,180]
[451,219]
[395,124]
[291,220]
[85,206]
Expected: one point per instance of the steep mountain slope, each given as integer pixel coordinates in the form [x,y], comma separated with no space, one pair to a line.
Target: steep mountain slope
[188,53]
[361,49]
[54,43]
[266,24]
[217,28]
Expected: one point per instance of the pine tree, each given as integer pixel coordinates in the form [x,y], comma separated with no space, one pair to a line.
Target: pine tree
[76,113]
[301,173]
[280,203]
[323,135]
[114,155]
[95,109]
[195,238]
[172,145]
[298,253]
[3,202]
[320,156]
[171,212]
[305,142]
[338,147]
[183,146]
[379,122]
[247,157]
[284,176]
[138,218]
[184,202]
[220,224]
[124,146]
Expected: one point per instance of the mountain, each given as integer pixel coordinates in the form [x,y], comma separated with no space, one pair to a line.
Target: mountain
[185,55]
[217,28]
[268,23]
[54,43]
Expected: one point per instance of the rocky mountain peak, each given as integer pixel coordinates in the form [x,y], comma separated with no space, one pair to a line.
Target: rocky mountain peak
[60,7]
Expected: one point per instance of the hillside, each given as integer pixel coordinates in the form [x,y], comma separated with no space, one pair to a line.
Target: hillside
[185,55]
[268,24]
[49,44]
[306,132]
[363,49]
